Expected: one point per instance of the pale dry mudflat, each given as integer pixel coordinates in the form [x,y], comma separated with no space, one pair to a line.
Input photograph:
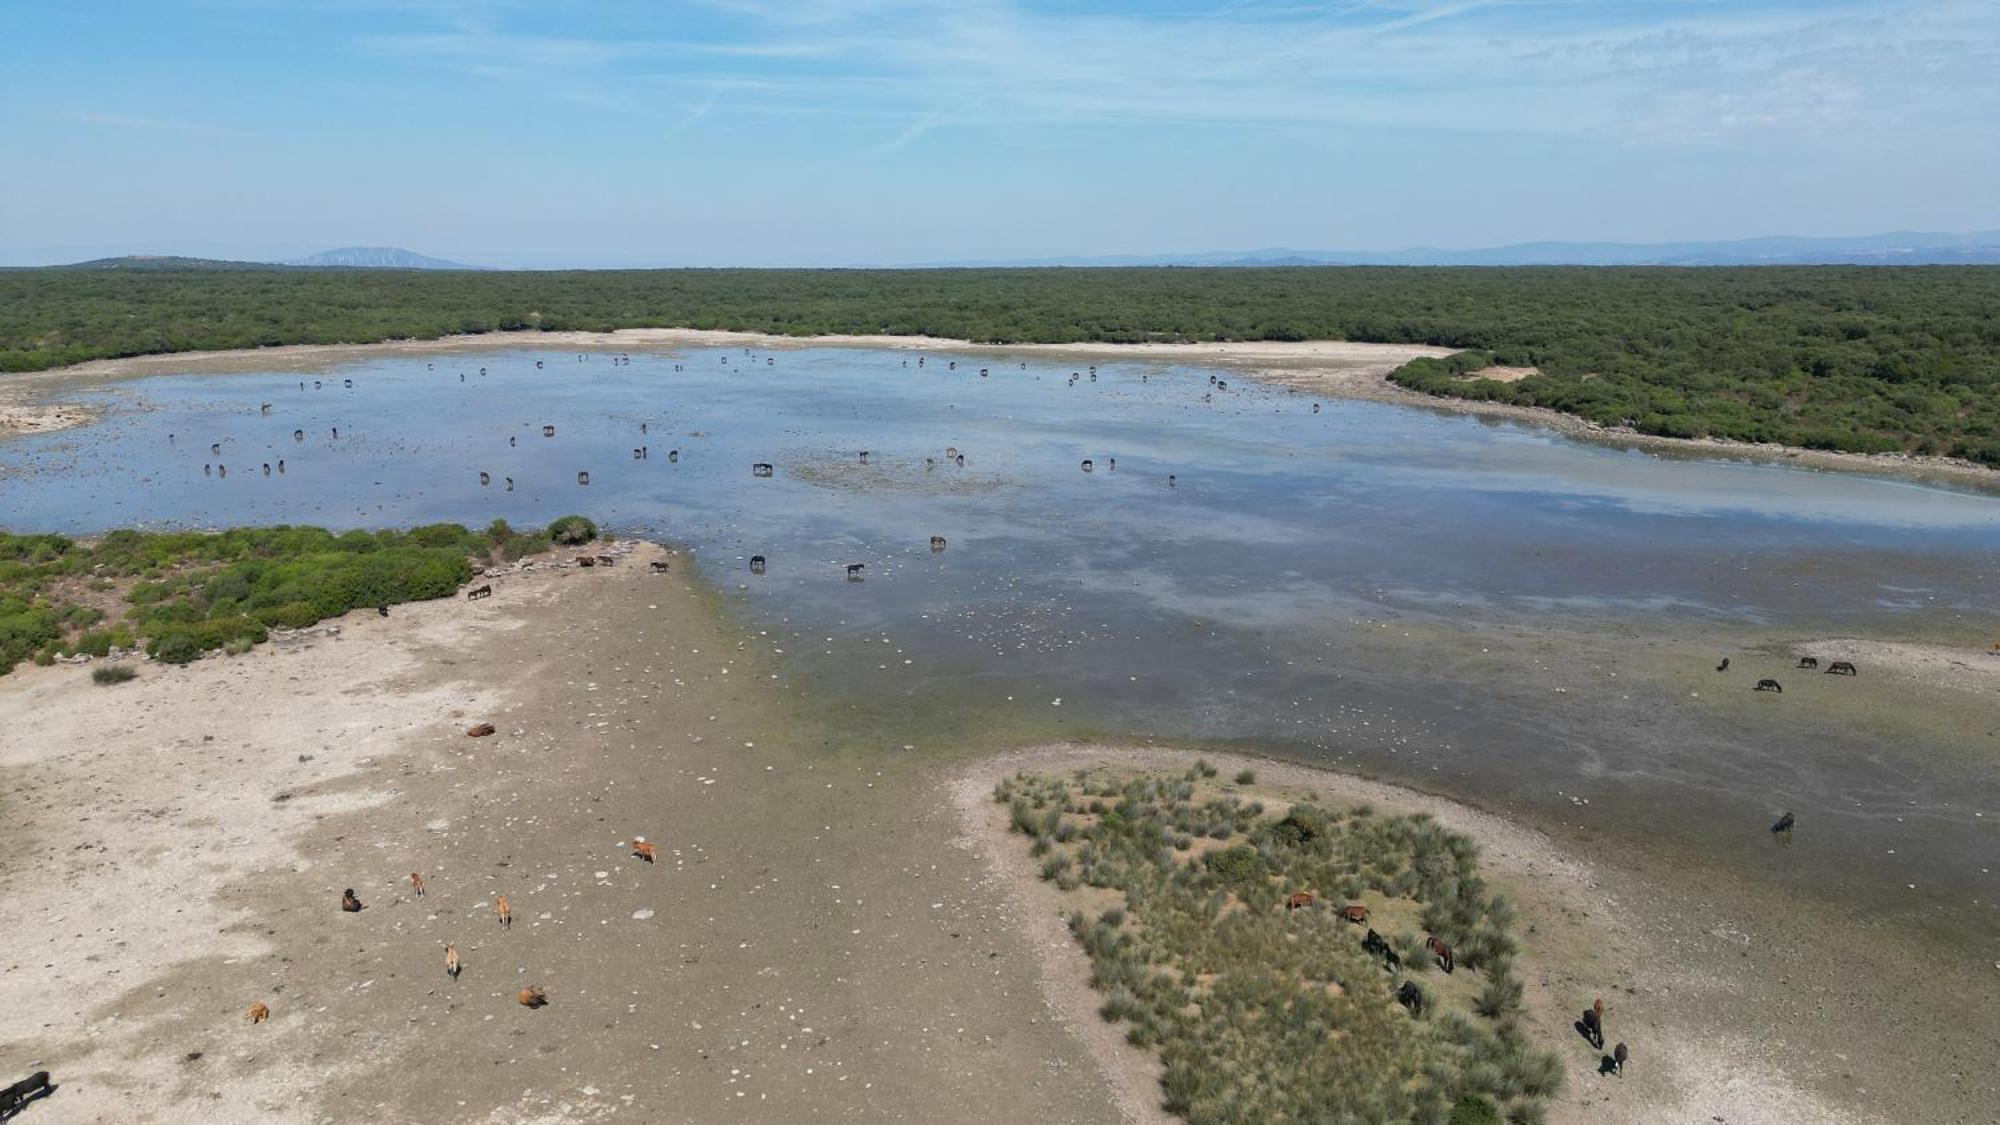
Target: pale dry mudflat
[808,947]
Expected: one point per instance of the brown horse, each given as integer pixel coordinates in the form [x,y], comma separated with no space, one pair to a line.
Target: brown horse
[417,884]
[348,902]
[452,965]
[504,911]
[1355,913]
[1841,668]
[259,1012]
[646,850]
[756,564]
[1439,950]
[1808,661]
[1299,900]
[532,997]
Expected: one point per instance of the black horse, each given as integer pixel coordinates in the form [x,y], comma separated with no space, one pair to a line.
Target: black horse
[1770,685]
[1412,997]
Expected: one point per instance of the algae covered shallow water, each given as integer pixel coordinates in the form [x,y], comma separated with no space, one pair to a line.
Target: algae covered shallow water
[1483,608]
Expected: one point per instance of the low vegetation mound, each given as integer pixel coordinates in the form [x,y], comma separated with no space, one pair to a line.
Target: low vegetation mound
[180,594]
[1858,358]
[1264,1004]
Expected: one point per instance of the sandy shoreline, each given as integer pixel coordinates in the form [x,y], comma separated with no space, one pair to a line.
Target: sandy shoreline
[811,941]
[808,944]
[1334,368]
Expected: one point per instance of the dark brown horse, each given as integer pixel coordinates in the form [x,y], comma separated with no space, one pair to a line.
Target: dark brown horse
[756,564]
[1770,685]
[1841,668]
[854,571]
[1808,661]
[1439,950]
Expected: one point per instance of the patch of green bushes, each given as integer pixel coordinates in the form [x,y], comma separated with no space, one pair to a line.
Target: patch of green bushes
[188,593]
[1260,1013]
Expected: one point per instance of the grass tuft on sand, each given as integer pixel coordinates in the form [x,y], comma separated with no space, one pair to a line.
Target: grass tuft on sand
[1263,1013]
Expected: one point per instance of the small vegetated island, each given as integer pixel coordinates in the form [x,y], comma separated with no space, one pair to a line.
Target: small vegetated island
[178,595]
[1855,358]
[1229,935]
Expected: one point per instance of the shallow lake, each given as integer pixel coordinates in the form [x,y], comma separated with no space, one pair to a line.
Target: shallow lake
[1318,578]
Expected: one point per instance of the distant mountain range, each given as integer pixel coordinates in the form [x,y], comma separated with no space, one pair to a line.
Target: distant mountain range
[378,258]
[1902,248]
[347,257]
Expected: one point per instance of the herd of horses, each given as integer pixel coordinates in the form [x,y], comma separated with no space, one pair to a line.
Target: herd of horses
[1835,668]
[1411,996]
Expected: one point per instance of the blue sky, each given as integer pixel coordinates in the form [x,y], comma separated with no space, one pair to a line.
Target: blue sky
[777,132]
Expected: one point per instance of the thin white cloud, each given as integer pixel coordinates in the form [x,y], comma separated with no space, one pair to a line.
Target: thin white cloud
[1681,70]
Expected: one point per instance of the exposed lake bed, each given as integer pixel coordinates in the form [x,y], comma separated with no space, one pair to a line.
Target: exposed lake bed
[1479,609]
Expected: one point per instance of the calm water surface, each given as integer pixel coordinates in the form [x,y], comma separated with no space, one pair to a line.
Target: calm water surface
[1263,596]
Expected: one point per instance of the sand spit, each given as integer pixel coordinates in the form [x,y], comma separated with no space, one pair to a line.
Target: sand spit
[174,849]
[1580,941]
[1335,368]
[1966,669]
[43,418]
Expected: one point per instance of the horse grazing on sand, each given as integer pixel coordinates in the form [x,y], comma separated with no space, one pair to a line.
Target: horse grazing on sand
[583,478]
[1841,668]
[938,544]
[756,564]
[1724,666]
[1783,825]
[761,469]
[1770,685]
[854,571]
[348,902]
[1808,661]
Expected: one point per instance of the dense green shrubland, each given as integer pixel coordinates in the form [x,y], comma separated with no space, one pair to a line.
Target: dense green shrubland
[181,594]
[1263,1014]
[1838,357]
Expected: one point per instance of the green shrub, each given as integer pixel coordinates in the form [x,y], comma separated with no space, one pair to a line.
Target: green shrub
[1246,777]
[572,531]
[177,648]
[113,674]
[1474,1110]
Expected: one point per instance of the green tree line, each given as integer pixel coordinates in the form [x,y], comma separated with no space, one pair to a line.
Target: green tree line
[1837,357]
